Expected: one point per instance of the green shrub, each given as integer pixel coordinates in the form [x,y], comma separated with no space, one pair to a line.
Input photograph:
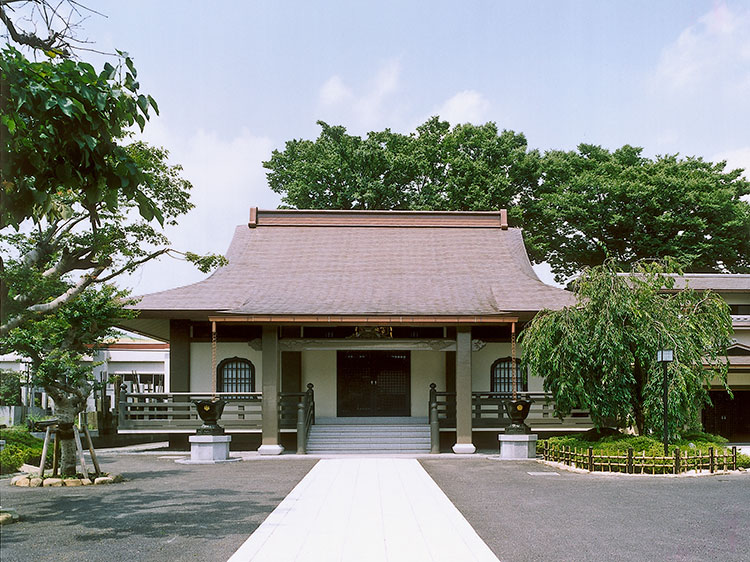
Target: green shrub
[620,443]
[11,458]
[21,447]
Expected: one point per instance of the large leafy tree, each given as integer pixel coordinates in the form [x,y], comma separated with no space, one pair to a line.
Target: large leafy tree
[80,206]
[592,205]
[467,167]
[600,354]
[577,208]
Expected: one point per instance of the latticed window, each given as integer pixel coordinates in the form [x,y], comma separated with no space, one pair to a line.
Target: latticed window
[235,375]
[501,376]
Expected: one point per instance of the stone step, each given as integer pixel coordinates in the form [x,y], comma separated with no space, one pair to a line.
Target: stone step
[373,449]
[369,452]
[366,442]
[369,428]
[362,439]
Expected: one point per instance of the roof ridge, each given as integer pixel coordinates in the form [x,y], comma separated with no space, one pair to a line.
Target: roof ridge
[378,218]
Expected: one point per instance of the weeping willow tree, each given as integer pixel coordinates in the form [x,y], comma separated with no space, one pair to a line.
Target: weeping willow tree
[600,354]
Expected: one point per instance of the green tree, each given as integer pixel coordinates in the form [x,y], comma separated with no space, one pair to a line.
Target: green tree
[593,205]
[80,207]
[10,388]
[467,167]
[600,354]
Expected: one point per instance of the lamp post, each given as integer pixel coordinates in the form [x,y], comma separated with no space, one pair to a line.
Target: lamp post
[665,356]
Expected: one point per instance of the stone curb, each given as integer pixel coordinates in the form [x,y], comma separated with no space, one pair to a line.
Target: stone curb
[31,481]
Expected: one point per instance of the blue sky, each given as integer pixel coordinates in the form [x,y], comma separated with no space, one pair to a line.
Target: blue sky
[234,80]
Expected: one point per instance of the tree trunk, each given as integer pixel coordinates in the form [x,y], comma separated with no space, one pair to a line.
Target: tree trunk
[66,413]
[637,398]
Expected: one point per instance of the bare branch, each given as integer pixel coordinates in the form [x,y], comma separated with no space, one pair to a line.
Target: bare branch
[61,22]
[133,264]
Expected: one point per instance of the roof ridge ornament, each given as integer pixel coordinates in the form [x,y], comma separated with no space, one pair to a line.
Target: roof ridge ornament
[503,219]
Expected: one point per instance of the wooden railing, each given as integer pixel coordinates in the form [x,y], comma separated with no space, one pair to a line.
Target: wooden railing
[487,410]
[305,418]
[632,462]
[174,412]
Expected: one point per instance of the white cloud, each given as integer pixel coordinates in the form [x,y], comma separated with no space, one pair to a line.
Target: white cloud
[737,158]
[334,91]
[467,106]
[228,178]
[374,105]
[714,53]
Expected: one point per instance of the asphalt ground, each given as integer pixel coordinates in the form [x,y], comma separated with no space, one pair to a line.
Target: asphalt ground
[574,516]
[164,511]
[168,512]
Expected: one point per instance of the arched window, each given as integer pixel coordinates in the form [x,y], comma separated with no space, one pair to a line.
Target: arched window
[235,375]
[501,376]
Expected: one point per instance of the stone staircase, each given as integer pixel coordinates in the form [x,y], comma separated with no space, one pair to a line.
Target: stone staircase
[410,436]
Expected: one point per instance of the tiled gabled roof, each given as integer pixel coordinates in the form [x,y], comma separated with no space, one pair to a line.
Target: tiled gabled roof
[370,263]
[717,282]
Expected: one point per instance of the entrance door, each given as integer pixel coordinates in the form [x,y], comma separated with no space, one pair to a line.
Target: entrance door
[373,383]
[728,417]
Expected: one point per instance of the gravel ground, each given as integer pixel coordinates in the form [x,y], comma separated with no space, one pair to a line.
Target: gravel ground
[574,516]
[164,511]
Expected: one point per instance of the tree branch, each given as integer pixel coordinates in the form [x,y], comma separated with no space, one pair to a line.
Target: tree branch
[43,308]
[134,264]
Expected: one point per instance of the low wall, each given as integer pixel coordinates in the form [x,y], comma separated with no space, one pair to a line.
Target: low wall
[16,415]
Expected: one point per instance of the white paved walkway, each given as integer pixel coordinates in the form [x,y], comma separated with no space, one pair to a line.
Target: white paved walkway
[364,509]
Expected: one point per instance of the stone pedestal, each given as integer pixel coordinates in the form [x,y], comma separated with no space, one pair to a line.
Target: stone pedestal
[209,449]
[464,449]
[270,450]
[515,447]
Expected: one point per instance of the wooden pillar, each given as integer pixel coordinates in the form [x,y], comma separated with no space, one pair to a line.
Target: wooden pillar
[463,392]
[271,378]
[179,355]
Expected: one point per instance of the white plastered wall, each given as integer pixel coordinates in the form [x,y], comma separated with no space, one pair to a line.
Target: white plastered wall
[736,298]
[200,363]
[426,367]
[482,360]
[319,368]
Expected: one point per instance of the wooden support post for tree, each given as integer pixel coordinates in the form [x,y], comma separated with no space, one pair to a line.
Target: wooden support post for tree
[629,467]
[734,458]
[44,451]
[55,455]
[79,450]
[711,460]
[677,459]
[91,450]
